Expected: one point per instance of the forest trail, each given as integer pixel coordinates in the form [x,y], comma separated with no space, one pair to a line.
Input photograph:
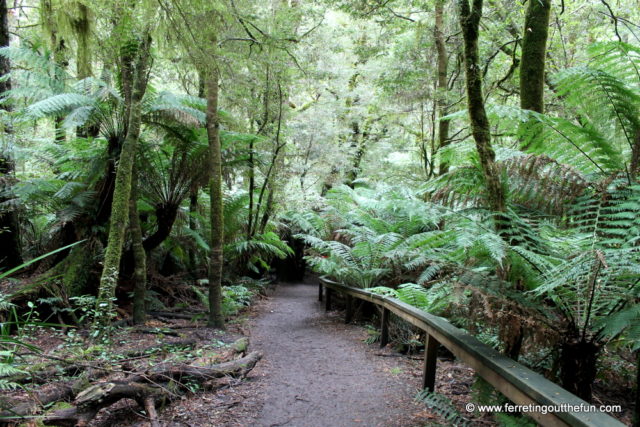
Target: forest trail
[318,373]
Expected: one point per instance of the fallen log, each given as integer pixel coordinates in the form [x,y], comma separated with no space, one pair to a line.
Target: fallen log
[163,384]
[156,331]
[233,368]
[171,315]
[73,367]
[88,374]
[63,391]
[44,376]
[157,348]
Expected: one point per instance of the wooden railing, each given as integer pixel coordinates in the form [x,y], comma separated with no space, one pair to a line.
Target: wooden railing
[518,383]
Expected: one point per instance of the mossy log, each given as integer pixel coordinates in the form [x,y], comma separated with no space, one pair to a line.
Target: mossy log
[75,367]
[166,376]
[63,391]
[163,384]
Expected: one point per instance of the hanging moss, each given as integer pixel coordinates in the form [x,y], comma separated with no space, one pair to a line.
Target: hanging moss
[81,26]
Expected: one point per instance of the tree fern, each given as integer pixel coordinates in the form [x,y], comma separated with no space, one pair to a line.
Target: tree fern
[617,58]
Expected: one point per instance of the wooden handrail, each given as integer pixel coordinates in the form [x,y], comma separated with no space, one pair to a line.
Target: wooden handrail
[517,382]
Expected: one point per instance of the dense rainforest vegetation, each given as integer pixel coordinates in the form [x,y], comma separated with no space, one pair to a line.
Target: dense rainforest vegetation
[477,159]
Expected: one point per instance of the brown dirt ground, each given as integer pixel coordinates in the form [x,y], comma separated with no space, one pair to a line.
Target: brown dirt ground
[318,372]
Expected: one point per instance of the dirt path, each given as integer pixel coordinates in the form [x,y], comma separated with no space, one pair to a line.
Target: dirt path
[317,374]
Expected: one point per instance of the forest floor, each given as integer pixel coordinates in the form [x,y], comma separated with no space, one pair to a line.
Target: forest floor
[316,371]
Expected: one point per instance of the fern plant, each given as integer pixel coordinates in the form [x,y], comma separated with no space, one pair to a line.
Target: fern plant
[443,406]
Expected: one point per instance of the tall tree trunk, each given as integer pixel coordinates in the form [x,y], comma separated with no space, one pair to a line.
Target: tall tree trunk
[252,187]
[193,210]
[635,155]
[193,194]
[122,190]
[139,255]
[10,248]
[534,51]
[470,23]
[442,88]
[215,188]
[82,27]
[59,52]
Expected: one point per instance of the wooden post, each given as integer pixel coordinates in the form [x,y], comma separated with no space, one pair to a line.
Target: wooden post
[384,328]
[327,299]
[320,291]
[349,313]
[430,359]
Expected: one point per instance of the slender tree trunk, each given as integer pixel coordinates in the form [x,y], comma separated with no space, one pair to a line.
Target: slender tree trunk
[215,187]
[534,51]
[193,195]
[470,23]
[267,184]
[442,88]
[193,209]
[10,247]
[122,190]
[252,187]
[635,155]
[139,255]
[267,212]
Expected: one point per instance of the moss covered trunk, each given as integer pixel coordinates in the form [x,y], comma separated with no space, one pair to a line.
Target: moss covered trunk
[442,85]
[470,22]
[10,249]
[534,51]
[532,64]
[139,256]
[215,188]
[122,191]
[81,26]
[193,226]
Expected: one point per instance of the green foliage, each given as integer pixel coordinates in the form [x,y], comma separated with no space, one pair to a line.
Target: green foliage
[235,297]
[485,394]
[596,272]
[11,342]
[443,406]
[434,299]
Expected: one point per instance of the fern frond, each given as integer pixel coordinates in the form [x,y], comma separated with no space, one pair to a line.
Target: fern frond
[58,105]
